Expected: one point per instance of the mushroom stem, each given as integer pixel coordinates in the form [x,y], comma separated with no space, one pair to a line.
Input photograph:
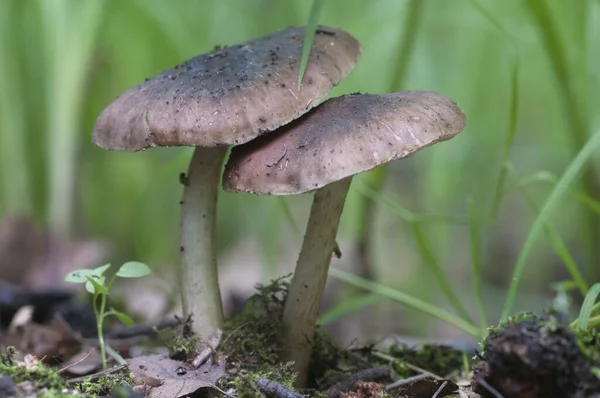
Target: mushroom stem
[306,290]
[201,296]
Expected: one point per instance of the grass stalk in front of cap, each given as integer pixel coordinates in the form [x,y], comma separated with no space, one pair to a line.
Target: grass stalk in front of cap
[309,35]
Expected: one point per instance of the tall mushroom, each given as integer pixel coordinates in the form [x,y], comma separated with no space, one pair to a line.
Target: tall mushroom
[322,151]
[226,97]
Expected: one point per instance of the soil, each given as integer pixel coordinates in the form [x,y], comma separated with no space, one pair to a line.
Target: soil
[539,356]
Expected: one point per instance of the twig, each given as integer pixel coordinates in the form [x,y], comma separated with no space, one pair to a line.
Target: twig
[422,371]
[75,363]
[275,389]
[97,375]
[142,330]
[403,382]
[440,389]
[211,345]
[221,391]
[383,356]
[490,389]
[347,384]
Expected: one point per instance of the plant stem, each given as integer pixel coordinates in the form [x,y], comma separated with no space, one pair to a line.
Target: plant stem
[15,178]
[201,296]
[68,56]
[304,298]
[99,323]
[574,98]
[410,301]
[576,166]
[377,177]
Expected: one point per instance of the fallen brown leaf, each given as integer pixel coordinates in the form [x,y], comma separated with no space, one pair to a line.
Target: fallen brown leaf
[160,376]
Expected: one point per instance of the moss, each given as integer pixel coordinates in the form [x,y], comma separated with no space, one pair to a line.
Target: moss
[180,342]
[105,384]
[35,372]
[588,342]
[435,358]
[43,381]
[251,343]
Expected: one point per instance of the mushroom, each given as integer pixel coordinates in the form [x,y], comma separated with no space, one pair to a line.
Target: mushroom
[321,151]
[226,97]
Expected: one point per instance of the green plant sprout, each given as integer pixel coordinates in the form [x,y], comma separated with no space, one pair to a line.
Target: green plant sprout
[95,283]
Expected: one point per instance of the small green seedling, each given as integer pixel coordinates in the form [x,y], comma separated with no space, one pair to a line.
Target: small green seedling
[95,283]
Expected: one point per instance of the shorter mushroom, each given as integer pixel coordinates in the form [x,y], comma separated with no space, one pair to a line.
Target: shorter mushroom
[321,151]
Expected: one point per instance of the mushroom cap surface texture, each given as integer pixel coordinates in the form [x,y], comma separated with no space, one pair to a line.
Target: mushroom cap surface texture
[229,96]
[342,137]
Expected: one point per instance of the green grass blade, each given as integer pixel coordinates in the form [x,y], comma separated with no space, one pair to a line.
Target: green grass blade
[556,242]
[573,84]
[587,307]
[493,20]
[403,212]
[69,57]
[407,300]
[432,264]
[475,239]
[412,25]
[568,178]
[348,306]
[545,176]
[15,176]
[510,136]
[289,217]
[309,35]
[514,105]
[377,178]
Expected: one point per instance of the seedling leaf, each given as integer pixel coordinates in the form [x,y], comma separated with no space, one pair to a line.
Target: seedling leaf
[95,285]
[124,318]
[80,275]
[101,269]
[133,269]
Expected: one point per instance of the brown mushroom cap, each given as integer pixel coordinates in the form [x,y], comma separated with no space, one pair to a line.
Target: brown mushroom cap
[342,137]
[229,96]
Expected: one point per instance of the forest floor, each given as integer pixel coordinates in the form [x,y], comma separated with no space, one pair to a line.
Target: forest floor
[530,355]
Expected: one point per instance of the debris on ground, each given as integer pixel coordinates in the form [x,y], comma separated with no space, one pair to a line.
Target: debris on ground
[533,355]
[160,376]
[527,356]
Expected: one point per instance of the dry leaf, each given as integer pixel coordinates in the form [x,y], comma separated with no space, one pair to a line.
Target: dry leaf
[47,342]
[159,376]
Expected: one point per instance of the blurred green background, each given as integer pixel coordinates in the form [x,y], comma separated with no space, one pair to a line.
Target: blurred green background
[525,72]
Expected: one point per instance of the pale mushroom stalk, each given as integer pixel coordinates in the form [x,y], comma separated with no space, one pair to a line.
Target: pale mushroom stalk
[200,294]
[306,290]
